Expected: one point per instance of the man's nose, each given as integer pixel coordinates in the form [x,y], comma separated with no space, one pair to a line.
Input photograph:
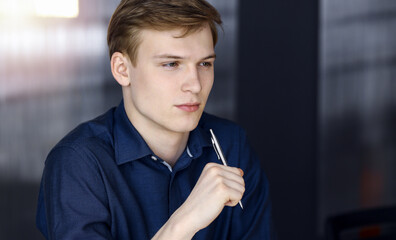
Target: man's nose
[192,81]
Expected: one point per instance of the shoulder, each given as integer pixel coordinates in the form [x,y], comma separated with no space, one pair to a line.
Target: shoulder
[89,136]
[97,129]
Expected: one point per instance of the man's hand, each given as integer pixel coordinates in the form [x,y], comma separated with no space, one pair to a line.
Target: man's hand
[218,186]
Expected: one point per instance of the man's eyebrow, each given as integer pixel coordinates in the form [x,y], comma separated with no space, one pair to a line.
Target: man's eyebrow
[210,56]
[169,56]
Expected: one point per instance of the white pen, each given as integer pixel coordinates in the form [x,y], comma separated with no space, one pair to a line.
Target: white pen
[219,153]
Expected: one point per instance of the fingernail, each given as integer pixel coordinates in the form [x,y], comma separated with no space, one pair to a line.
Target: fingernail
[242,173]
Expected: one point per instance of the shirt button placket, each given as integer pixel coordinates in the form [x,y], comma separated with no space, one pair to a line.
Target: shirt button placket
[171,196]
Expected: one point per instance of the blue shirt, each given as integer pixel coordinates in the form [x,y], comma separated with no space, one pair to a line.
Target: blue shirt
[102,181]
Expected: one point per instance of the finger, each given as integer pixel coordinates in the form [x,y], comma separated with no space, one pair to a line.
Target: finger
[215,167]
[216,173]
[234,170]
[233,198]
[234,186]
[228,190]
[231,203]
[232,176]
[227,168]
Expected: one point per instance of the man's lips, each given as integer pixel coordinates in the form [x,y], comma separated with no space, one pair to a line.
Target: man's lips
[189,107]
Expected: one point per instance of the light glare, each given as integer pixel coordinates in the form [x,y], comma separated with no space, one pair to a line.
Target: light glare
[57,8]
[16,8]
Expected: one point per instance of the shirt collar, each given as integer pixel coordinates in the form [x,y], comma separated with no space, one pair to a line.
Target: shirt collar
[198,139]
[129,144]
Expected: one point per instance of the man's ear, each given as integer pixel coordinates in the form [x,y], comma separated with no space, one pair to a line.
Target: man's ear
[119,68]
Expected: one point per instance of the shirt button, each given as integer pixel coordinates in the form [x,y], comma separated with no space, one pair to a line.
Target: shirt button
[154,158]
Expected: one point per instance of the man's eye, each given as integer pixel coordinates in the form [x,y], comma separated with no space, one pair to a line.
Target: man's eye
[171,65]
[206,64]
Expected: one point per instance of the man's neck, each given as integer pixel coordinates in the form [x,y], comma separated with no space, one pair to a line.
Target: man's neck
[166,144]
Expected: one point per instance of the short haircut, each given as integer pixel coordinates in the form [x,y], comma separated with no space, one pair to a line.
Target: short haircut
[131,16]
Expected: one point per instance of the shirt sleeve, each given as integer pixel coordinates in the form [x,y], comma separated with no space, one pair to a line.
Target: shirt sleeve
[75,200]
[255,220]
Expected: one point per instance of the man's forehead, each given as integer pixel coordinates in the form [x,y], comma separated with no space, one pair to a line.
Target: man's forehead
[176,32]
[166,43]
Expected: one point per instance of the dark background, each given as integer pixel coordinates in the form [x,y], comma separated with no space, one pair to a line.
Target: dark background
[277,102]
[312,82]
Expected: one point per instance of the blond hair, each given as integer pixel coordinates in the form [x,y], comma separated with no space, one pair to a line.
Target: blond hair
[131,16]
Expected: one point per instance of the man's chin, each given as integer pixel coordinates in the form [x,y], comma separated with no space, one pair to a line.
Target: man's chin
[186,127]
[186,123]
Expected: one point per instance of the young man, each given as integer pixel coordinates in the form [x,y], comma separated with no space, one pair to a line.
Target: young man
[147,169]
